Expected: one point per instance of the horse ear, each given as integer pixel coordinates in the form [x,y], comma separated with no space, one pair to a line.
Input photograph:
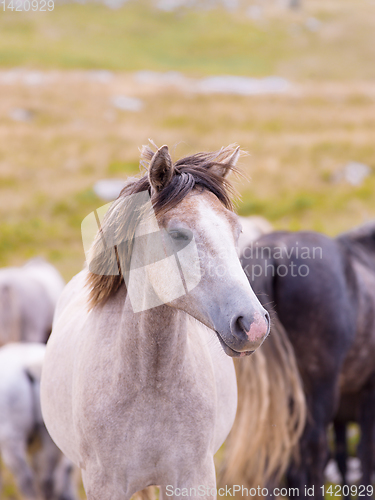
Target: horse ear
[225,167]
[161,170]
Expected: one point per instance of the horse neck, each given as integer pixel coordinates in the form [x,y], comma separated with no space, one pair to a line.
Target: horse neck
[155,342]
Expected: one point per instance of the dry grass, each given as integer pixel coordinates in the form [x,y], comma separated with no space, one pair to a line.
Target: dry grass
[9,490]
[297,142]
[138,36]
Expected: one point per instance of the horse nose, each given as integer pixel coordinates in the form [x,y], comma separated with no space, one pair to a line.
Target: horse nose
[251,330]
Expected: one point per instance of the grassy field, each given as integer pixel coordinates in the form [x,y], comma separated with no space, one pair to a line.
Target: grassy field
[298,142]
[139,36]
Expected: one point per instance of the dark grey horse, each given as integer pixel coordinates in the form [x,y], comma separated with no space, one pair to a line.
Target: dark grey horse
[322,291]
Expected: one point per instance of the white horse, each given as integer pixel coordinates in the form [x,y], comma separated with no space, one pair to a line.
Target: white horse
[28,297]
[22,429]
[136,387]
[252,228]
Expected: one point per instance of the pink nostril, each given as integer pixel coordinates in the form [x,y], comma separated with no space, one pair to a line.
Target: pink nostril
[259,328]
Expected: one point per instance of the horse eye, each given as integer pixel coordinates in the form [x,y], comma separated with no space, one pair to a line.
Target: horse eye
[178,235]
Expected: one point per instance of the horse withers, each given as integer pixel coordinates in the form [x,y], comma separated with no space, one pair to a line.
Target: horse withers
[136,387]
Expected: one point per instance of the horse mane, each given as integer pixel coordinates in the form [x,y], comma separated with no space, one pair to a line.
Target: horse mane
[199,171]
[360,243]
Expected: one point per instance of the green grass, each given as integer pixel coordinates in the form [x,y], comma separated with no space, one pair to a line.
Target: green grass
[138,36]
[135,37]
[121,168]
[291,208]
[48,228]
[48,167]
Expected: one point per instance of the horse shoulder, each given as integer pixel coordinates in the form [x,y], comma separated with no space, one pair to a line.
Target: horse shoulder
[63,355]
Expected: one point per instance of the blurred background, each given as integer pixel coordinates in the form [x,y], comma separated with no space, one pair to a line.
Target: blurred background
[83,86]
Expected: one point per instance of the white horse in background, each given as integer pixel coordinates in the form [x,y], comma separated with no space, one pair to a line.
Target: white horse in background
[137,388]
[252,228]
[22,431]
[28,297]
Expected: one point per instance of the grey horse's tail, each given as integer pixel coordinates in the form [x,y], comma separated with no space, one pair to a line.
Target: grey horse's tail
[10,314]
[270,417]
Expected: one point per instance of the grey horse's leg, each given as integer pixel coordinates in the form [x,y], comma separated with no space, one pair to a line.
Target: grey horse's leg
[65,480]
[45,461]
[367,425]
[101,486]
[14,457]
[199,485]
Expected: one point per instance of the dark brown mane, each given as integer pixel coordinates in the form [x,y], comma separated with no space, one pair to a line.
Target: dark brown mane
[205,171]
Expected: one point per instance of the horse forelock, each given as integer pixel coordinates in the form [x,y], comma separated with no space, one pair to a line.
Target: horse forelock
[199,171]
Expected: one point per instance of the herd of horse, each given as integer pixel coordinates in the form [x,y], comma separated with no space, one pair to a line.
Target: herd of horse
[180,298]
[29,296]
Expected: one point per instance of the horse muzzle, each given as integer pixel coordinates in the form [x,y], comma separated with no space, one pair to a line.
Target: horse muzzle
[246,334]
